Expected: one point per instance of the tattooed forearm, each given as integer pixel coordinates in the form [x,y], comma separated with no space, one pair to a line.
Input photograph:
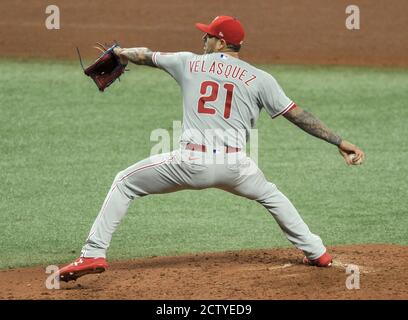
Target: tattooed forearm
[312,125]
[141,56]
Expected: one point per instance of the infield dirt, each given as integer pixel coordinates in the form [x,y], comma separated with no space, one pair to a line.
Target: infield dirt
[247,274]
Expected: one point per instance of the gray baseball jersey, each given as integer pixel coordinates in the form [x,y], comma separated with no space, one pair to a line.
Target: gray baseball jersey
[222,98]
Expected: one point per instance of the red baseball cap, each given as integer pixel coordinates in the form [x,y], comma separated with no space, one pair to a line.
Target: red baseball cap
[224,27]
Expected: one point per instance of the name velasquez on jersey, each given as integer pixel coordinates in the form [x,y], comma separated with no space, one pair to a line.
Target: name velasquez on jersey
[222,96]
[225,70]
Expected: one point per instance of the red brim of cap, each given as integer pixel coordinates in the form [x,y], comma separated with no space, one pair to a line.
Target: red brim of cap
[204,28]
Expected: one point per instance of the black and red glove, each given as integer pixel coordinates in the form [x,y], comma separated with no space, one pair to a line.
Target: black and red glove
[106,69]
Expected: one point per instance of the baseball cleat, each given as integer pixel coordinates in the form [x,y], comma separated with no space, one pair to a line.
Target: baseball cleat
[325,261]
[81,267]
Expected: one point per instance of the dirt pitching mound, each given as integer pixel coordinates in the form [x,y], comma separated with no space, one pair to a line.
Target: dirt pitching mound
[248,274]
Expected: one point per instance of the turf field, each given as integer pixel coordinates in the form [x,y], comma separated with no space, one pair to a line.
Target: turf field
[62,142]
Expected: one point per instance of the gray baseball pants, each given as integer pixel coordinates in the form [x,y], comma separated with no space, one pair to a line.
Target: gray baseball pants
[185,169]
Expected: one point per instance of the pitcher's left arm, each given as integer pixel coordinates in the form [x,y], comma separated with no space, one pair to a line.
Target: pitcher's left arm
[312,125]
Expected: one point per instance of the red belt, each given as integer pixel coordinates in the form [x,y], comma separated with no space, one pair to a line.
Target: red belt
[203,148]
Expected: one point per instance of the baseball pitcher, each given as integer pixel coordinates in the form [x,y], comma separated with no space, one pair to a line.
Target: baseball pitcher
[222,99]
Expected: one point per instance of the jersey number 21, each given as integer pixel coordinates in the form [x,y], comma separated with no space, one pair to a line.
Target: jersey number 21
[213,96]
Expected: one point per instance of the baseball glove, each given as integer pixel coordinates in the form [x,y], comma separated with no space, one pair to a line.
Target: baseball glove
[106,69]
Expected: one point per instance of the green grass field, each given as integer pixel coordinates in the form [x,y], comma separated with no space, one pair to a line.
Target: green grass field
[62,143]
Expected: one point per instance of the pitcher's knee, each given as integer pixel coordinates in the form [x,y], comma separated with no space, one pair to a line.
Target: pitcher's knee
[119,176]
[130,186]
[268,192]
[120,183]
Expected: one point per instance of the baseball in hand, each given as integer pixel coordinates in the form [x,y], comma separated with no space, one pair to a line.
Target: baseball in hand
[352,156]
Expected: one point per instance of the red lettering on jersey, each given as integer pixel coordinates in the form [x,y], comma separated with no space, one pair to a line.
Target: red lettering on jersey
[191,65]
[228,70]
[235,72]
[212,68]
[248,81]
[242,75]
[196,66]
[219,70]
[203,67]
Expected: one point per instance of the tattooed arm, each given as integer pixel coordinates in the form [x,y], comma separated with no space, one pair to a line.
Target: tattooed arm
[312,125]
[140,56]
